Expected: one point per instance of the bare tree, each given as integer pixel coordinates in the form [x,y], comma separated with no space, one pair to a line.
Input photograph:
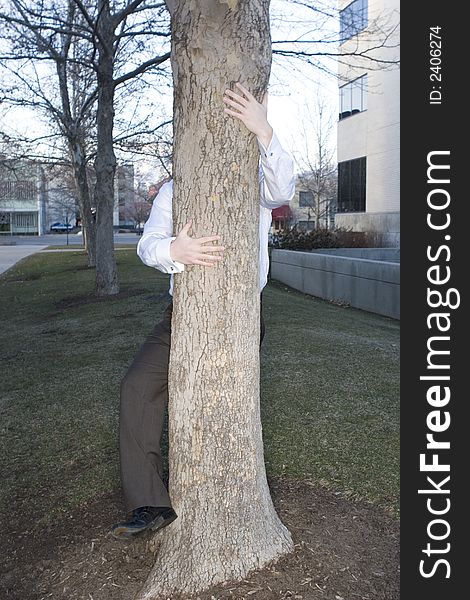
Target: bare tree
[317,179]
[155,146]
[227,524]
[62,198]
[94,48]
[36,35]
[138,212]
[138,209]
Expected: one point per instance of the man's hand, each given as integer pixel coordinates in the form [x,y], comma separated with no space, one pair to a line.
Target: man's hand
[251,112]
[191,251]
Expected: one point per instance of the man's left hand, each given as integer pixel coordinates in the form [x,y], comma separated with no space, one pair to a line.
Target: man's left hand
[251,112]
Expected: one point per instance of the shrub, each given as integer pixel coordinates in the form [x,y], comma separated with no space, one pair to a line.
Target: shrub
[298,239]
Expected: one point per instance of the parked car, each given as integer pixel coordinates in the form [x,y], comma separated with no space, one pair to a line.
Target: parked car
[61,227]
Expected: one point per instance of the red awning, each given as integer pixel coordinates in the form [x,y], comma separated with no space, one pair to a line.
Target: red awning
[282,212]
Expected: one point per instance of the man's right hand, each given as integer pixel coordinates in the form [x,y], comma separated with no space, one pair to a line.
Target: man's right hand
[192,251]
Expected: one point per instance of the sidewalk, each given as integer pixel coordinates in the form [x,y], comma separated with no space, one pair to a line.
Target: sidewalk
[10,255]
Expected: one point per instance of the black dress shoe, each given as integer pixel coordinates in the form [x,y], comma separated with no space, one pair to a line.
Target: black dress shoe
[143,518]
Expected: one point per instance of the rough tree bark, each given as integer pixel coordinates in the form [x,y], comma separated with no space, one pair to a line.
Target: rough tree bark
[78,161]
[107,282]
[227,524]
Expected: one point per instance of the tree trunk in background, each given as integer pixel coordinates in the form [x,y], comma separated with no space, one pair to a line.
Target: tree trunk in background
[227,524]
[107,282]
[84,202]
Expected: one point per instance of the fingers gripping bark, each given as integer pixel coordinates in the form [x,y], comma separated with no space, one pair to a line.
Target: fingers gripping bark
[252,113]
[195,251]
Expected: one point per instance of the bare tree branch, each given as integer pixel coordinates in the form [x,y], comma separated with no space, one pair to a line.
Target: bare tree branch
[134,7]
[142,68]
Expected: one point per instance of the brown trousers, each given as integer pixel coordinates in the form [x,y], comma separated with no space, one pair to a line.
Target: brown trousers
[144,398]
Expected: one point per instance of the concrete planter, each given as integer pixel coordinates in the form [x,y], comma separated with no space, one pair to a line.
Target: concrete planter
[372,285]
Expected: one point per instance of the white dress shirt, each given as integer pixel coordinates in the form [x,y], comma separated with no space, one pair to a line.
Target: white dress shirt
[277,186]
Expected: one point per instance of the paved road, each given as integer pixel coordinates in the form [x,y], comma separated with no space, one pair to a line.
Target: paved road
[14,248]
[60,239]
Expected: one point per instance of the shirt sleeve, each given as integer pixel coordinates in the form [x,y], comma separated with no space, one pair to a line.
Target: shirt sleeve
[153,247]
[277,179]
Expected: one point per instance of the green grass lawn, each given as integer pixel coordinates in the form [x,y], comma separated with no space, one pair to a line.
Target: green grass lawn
[80,246]
[329,384]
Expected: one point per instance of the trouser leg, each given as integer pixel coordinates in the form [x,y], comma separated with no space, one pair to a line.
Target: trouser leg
[262,325]
[144,397]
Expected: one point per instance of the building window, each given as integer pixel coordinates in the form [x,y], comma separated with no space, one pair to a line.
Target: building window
[305,199]
[352,185]
[5,222]
[306,225]
[18,190]
[353,97]
[353,19]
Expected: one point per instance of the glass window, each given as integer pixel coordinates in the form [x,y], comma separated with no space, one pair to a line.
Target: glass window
[306,225]
[345,93]
[353,19]
[352,185]
[353,97]
[356,96]
[305,199]
[364,92]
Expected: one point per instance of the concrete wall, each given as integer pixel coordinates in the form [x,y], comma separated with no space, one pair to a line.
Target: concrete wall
[384,254]
[384,226]
[372,285]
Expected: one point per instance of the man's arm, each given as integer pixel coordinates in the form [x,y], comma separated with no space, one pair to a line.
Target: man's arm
[277,179]
[158,247]
[153,247]
[277,165]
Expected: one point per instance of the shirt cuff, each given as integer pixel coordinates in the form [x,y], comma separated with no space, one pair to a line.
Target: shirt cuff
[170,266]
[271,150]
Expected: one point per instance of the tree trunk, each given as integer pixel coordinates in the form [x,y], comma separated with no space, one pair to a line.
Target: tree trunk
[227,524]
[83,192]
[107,282]
[75,137]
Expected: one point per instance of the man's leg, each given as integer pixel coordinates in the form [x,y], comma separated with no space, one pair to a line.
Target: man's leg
[144,397]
